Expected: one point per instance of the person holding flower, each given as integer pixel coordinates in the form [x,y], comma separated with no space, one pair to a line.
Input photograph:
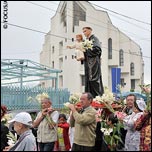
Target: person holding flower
[112,134]
[79,47]
[85,124]
[132,139]
[22,123]
[46,121]
[130,99]
[143,123]
[92,65]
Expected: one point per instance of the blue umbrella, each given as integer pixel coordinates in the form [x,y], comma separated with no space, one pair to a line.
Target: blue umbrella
[137,94]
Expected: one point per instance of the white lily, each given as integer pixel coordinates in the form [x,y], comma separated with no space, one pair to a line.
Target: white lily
[66,104]
[11,138]
[87,44]
[11,142]
[107,131]
[74,98]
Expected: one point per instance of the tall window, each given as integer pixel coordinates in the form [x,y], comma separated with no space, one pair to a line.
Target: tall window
[64,15]
[52,49]
[109,48]
[53,64]
[121,58]
[60,63]
[53,83]
[132,83]
[122,82]
[78,14]
[132,69]
[61,81]
[61,48]
[82,80]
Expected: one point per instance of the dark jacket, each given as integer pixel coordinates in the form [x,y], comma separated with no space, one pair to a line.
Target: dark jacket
[4,132]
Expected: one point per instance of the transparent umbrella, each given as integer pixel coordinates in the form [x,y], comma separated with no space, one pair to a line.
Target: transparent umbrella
[138,95]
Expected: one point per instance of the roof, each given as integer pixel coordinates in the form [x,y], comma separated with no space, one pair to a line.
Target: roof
[18,70]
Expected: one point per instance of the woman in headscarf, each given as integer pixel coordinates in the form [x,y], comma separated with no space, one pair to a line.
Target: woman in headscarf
[132,139]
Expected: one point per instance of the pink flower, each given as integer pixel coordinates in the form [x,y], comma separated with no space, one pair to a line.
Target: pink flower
[98,115]
[120,115]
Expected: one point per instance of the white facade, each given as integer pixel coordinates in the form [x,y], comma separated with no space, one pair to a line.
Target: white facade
[68,21]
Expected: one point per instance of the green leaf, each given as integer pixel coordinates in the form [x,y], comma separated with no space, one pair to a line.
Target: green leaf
[117,137]
[111,141]
[114,130]
[107,139]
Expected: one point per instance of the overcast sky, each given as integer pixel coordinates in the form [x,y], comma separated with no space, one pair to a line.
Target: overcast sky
[19,43]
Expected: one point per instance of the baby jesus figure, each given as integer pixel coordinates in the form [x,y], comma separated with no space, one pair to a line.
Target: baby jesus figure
[79,50]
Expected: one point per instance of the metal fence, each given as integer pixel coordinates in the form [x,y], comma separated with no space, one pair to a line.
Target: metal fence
[14,98]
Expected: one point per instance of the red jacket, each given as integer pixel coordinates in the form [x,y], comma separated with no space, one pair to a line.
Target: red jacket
[65,127]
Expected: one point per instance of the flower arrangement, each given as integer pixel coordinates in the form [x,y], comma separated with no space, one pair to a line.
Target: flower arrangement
[106,97]
[111,137]
[108,106]
[111,134]
[87,45]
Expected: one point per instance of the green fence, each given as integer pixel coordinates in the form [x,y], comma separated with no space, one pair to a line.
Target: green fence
[14,98]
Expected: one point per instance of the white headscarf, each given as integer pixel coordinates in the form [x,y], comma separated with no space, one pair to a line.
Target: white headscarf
[141,104]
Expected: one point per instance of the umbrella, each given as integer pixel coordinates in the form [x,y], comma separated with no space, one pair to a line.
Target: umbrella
[137,94]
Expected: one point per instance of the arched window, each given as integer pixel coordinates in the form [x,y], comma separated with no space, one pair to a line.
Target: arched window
[121,58]
[79,14]
[64,15]
[132,68]
[109,48]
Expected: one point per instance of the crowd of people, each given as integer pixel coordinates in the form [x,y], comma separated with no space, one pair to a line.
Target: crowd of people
[54,127]
[80,130]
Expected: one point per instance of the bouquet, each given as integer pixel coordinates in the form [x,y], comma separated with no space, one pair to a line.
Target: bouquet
[73,99]
[87,45]
[111,137]
[106,97]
